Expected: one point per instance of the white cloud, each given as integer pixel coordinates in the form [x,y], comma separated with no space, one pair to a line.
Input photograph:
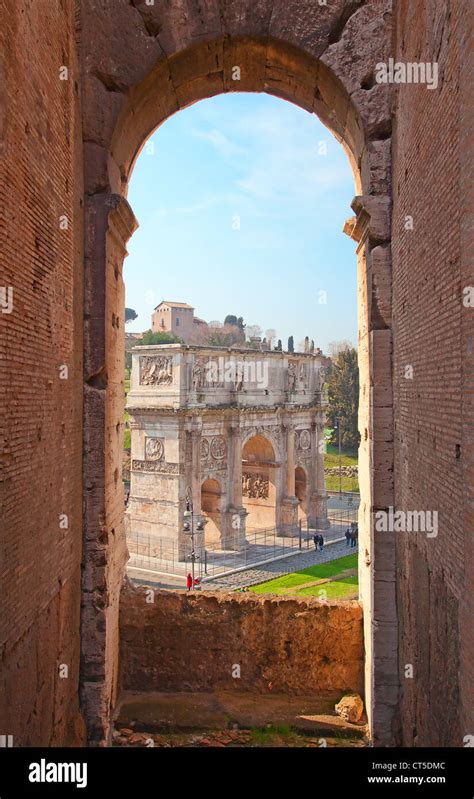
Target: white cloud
[282,163]
[219,141]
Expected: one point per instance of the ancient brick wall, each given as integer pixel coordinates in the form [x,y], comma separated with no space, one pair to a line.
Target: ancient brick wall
[41,414]
[434,408]
[182,642]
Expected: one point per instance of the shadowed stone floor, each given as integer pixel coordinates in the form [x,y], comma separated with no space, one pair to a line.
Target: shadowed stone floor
[227,718]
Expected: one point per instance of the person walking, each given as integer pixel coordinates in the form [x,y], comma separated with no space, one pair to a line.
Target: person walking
[315,540]
[189,581]
[353,538]
[321,543]
[348,537]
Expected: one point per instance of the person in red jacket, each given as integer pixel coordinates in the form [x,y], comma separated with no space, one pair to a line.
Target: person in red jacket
[189,581]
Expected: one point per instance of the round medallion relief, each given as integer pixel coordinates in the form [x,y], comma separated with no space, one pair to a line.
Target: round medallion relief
[305,439]
[218,447]
[154,449]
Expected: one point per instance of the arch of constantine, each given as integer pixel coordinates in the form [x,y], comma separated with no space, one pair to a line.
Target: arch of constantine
[240,432]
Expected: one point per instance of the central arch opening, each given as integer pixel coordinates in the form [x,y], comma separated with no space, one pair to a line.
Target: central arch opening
[292,75]
[291,184]
[260,483]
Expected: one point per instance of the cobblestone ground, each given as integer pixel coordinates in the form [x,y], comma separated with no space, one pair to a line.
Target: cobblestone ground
[268,571]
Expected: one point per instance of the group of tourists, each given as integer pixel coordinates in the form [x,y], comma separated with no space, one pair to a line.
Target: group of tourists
[352,535]
[318,542]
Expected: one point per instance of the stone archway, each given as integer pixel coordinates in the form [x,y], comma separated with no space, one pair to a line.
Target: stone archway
[259,483]
[211,508]
[133,80]
[301,493]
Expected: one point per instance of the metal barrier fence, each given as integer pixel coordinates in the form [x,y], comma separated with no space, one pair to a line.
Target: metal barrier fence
[166,556]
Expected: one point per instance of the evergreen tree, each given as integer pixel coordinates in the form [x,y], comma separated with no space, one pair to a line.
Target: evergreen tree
[291,344]
[343,397]
[231,319]
[130,315]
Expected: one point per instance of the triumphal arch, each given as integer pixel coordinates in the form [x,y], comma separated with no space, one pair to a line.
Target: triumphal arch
[239,432]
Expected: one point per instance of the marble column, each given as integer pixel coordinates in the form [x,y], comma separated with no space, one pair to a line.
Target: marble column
[289,505]
[290,460]
[235,515]
[318,512]
[193,489]
[196,470]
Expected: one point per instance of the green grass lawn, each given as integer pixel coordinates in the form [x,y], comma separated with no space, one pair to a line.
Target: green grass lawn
[339,589]
[331,457]
[289,583]
[331,461]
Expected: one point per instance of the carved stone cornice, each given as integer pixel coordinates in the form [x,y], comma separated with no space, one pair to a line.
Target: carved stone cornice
[372,220]
[122,222]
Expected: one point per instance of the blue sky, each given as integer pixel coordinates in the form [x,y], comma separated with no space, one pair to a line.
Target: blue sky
[241,201]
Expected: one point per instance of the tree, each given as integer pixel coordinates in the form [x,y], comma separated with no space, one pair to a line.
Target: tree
[270,335]
[253,331]
[335,347]
[343,397]
[236,321]
[130,315]
[279,346]
[291,344]
[220,336]
[158,338]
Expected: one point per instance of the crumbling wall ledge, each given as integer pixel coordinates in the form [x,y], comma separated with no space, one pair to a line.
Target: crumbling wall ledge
[175,641]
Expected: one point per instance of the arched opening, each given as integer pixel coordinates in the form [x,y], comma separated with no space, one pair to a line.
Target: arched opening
[301,493]
[211,510]
[300,484]
[259,483]
[200,71]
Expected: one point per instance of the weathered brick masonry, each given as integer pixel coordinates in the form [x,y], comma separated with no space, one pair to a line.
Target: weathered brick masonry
[434,424]
[40,414]
[131,66]
[182,642]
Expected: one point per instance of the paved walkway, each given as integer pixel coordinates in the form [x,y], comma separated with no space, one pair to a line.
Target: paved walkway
[268,571]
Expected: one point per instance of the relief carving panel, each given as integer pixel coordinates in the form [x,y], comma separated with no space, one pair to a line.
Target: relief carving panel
[156,370]
[255,486]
